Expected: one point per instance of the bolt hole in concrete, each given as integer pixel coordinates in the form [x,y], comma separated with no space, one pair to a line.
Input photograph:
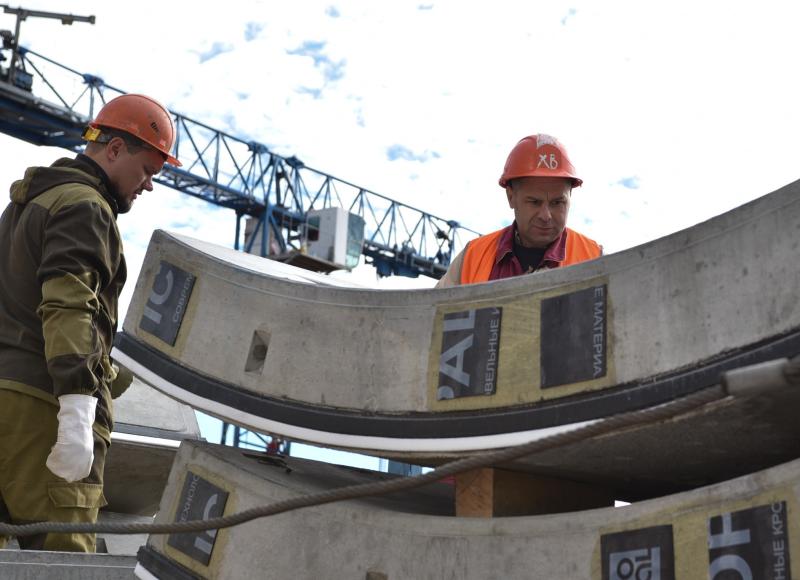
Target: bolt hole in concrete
[257,354]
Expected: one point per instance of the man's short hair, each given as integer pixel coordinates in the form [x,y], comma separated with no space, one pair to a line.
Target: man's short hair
[133,144]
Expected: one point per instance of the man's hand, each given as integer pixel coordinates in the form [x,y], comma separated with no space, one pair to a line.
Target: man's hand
[122,381]
[72,456]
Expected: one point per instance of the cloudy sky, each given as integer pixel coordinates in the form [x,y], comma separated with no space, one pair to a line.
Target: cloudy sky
[673,112]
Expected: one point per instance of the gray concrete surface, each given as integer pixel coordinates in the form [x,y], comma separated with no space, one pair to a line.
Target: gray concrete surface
[715,444]
[412,536]
[145,411]
[28,565]
[122,544]
[148,427]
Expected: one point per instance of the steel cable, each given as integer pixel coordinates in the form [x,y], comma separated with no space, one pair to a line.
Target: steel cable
[692,402]
[601,427]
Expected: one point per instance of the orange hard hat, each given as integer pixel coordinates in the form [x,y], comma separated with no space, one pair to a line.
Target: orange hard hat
[539,156]
[142,117]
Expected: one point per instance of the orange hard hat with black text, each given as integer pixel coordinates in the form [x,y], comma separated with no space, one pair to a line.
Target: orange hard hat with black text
[539,156]
[141,116]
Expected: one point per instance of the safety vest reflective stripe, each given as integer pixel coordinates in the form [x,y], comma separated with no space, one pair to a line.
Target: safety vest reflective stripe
[481,254]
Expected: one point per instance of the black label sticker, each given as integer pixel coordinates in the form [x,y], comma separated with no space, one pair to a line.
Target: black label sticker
[167,302]
[200,500]
[644,554]
[752,543]
[573,337]
[470,353]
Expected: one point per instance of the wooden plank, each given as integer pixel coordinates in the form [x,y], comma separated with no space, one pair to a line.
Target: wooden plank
[489,492]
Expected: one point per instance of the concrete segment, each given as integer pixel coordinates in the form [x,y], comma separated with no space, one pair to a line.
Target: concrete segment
[746,522]
[393,372]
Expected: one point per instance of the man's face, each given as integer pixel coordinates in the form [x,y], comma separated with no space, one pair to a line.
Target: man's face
[540,205]
[133,173]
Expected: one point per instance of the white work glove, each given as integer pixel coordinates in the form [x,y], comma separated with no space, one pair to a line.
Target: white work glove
[72,456]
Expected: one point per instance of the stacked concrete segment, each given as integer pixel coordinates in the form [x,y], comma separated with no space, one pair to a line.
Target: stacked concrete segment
[747,526]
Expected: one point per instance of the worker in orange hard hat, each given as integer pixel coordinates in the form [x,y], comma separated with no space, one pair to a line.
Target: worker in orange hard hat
[61,272]
[142,125]
[140,116]
[538,178]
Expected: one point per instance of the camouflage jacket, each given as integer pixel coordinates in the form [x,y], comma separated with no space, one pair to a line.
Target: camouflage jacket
[61,272]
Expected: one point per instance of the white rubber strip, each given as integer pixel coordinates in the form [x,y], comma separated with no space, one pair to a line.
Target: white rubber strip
[145,440]
[143,573]
[325,438]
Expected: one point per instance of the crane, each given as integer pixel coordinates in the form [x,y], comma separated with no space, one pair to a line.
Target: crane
[47,103]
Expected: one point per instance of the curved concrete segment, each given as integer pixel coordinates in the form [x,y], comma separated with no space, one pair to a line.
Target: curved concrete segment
[447,372]
[748,525]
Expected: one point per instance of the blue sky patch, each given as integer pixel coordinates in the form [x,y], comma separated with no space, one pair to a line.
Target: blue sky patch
[631,182]
[396,151]
[331,71]
[216,49]
[316,93]
[252,30]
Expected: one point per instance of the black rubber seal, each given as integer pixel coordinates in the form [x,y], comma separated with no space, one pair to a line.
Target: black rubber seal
[162,567]
[583,407]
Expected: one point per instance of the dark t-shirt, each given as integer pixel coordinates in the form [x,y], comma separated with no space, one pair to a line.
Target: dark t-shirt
[529,258]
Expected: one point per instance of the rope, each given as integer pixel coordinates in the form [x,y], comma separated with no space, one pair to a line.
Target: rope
[602,427]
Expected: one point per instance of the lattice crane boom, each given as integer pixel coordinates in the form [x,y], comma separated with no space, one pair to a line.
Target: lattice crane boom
[46,103]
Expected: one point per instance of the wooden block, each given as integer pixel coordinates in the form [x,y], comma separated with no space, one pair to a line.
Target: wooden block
[489,492]
[475,493]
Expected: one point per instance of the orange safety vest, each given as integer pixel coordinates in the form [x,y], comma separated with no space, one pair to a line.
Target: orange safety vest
[481,254]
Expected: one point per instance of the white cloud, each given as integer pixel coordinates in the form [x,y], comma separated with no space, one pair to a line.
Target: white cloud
[695,102]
